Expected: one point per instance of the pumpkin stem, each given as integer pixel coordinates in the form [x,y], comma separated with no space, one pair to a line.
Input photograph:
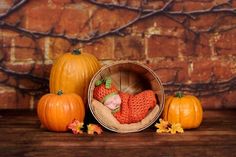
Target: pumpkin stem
[76,52]
[179,94]
[59,92]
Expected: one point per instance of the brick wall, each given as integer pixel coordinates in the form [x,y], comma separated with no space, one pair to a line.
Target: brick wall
[194,52]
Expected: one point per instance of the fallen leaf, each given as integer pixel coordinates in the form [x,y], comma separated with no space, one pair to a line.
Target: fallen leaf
[76,127]
[93,128]
[176,128]
[163,126]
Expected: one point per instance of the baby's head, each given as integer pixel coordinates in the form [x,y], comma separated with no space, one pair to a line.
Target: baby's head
[106,93]
[113,102]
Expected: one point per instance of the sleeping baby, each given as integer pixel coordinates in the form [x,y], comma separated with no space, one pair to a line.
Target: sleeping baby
[126,108]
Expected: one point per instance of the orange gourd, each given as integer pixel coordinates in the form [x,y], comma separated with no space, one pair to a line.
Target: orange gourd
[72,73]
[57,111]
[186,110]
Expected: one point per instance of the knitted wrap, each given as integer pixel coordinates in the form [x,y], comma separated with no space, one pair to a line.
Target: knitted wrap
[134,108]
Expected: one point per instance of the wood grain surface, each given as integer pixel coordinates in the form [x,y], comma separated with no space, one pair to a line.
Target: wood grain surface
[21,135]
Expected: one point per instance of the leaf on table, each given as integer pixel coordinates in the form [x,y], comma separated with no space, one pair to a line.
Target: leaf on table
[76,126]
[176,128]
[162,127]
[166,127]
[93,128]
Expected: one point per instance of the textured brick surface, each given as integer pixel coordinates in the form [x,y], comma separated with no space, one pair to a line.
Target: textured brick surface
[103,49]
[129,47]
[41,18]
[198,52]
[162,46]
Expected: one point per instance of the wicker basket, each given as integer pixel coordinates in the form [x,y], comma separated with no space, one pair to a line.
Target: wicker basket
[133,78]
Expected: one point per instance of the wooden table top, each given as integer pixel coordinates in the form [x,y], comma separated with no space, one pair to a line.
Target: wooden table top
[20,135]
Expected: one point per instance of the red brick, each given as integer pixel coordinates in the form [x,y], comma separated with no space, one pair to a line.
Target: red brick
[182,73]
[41,19]
[102,49]
[23,41]
[11,81]
[154,5]
[195,49]
[129,47]
[36,100]
[203,21]
[23,100]
[42,70]
[205,69]
[203,50]
[226,21]
[225,52]
[131,3]
[180,68]
[33,3]
[24,54]
[61,2]
[162,46]
[28,84]
[5,5]
[8,98]
[143,25]
[12,99]
[18,68]
[74,21]
[3,76]
[14,18]
[58,47]
[8,33]
[163,21]
[166,75]
[229,99]
[51,48]
[105,20]
[226,40]
[174,32]
[160,22]
[125,16]
[7,38]
[203,46]
[6,54]
[187,46]
[233,4]
[191,5]
[211,102]
[202,70]
[223,69]
[226,44]
[41,45]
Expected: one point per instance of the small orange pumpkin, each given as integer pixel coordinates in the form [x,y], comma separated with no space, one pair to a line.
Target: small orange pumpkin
[186,110]
[57,111]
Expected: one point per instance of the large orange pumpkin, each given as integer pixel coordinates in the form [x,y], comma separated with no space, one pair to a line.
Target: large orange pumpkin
[72,73]
[186,110]
[57,111]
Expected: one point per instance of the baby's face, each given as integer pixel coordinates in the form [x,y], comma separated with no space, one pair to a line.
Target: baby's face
[113,102]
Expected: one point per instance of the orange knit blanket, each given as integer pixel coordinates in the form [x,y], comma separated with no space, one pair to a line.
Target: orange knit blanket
[134,108]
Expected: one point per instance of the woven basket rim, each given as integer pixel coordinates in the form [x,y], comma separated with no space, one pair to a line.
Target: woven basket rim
[161,105]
